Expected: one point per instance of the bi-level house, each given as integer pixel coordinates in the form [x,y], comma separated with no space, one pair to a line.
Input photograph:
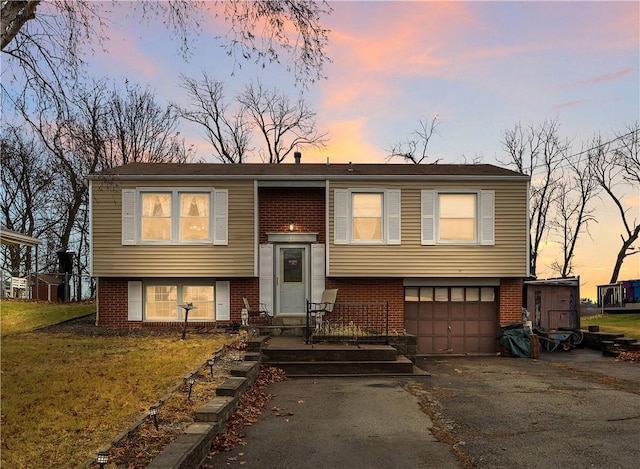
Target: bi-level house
[446,246]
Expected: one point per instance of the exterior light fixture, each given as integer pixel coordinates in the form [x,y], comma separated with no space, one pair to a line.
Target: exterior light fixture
[292,226]
[153,411]
[103,458]
[210,363]
[192,380]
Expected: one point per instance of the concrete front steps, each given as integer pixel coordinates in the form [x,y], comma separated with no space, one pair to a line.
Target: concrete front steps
[297,359]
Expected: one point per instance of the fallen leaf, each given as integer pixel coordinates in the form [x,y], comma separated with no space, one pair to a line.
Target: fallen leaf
[300,401]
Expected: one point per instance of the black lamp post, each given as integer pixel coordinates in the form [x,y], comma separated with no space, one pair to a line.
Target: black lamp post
[103,458]
[187,307]
[210,363]
[153,411]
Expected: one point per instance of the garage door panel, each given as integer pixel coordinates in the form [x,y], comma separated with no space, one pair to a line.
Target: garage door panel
[456,311]
[457,344]
[457,328]
[425,328]
[412,327]
[472,343]
[440,344]
[487,328]
[441,327]
[441,311]
[472,328]
[411,311]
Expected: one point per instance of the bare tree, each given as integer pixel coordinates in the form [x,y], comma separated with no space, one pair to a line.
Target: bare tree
[414,148]
[139,129]
[614,168]
[228,131]
[26,193]
[572,211]
[537,151]
[47,38]
[283,125]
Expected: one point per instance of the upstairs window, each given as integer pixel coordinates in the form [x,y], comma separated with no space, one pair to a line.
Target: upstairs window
[194,217]
[367,217]
[458,217]
[457,220]
[174,216]
[156,217]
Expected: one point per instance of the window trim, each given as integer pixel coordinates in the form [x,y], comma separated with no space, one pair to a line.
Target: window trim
[132,216]
[175,193]
[430,217]
[477,201]
[179,284]
[391,216]
[383,221]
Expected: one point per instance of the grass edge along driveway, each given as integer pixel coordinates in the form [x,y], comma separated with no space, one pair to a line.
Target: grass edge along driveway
[64,396]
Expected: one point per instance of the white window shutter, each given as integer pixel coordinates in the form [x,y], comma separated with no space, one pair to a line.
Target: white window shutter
[223,303]
[487,218]
[134,295]
[340,216]
[128,216]
[317,272]
[220,221]
[266,276]
[428,217]
[393,216]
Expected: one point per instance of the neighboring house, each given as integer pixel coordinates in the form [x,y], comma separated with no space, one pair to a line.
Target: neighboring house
[445,245]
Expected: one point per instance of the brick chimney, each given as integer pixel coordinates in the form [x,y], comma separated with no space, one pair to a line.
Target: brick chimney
[297,156]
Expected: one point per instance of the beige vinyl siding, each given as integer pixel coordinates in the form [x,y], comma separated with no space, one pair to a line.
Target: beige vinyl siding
[507,258]
[112,259]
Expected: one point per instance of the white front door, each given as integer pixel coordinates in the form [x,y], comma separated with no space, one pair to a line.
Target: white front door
[292,282]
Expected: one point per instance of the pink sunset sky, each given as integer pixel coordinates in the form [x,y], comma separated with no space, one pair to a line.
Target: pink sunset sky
[480,66]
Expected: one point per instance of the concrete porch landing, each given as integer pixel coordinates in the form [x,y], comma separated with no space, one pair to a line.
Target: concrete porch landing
[291,354]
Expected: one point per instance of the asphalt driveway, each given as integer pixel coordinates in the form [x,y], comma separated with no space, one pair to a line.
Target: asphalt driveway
[570,410]
[567,409]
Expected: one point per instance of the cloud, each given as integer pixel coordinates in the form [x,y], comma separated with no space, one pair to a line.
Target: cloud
[601,78]
[349,142]
[570,104]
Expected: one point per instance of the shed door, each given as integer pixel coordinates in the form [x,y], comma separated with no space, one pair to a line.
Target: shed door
[452,319]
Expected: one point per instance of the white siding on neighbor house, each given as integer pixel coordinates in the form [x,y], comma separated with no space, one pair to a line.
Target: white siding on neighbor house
[415,257]
[115,256]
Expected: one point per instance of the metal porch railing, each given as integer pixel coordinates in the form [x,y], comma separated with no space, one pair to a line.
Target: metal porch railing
[348,322]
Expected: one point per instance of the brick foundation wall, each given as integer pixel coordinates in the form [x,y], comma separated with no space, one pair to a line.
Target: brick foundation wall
[374,290]
[305,207]
[510,306]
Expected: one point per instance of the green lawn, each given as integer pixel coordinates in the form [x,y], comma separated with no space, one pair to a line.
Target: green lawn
[627,324]
[65,396]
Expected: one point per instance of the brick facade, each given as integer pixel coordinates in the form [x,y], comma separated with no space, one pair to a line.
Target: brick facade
[359,290]
[113,303]
[305,207]
[510,306]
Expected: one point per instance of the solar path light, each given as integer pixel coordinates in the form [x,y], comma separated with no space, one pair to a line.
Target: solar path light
[153,411]
[103,458]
